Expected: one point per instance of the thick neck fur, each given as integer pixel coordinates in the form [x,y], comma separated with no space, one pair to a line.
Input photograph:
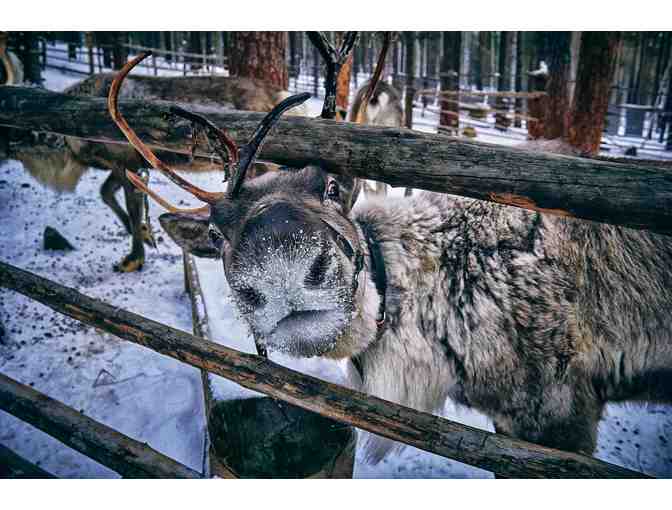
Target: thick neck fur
[494,305]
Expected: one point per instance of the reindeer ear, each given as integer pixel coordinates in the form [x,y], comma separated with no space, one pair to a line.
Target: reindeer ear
[350,188]
[192,233]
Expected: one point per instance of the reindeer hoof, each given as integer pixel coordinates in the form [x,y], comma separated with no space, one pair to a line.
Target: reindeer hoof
[128,265]
[147,236]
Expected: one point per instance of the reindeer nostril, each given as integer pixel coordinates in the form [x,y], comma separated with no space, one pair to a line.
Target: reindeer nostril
[318,270]
[250,297]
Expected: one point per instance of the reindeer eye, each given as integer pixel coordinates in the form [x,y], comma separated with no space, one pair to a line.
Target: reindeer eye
[333,191]
[216,237]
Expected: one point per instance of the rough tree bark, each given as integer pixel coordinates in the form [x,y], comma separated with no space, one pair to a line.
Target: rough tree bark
[29,54]
[119,51]
[667,123]
[574,50]
[599,55]
[449,120]
[260,55]
[409,42]
[502,121]
[557,103]
[504,455]
[662,61]
[636,78]
[520,44]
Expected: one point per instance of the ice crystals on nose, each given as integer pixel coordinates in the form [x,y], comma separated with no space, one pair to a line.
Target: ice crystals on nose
[279,273]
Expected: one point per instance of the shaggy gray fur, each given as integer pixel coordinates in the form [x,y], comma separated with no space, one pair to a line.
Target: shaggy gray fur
[535,320]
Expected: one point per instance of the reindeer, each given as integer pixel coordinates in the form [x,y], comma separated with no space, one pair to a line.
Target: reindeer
[62,168]
[383,109]
[535,320]
[377,103]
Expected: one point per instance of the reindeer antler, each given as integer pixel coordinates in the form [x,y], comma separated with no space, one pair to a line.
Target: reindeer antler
[134,140]
[334,60]
[239,159]
[373,83]
[223,143]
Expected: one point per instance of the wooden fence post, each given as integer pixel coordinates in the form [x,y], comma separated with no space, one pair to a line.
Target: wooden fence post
[88,39]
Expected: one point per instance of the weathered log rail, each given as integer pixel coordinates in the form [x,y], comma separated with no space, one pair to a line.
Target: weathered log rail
[630,195]
[13,465]
[126,456]
[505,456]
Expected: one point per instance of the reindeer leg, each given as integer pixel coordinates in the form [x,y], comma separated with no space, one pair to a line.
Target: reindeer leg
[107,192]
[572,427]
[134,203]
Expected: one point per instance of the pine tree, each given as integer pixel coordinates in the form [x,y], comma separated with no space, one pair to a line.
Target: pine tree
[597,64]
[450,81]
[260,55]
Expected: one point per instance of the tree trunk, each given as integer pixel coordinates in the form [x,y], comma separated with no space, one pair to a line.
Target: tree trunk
[502,121]
[449,120]
[409,39]
[633,93]
[343,84]
[396,81]
[29,55]
[517,122]
[293,54]
[260,55]
[599,55]
[662,60]
[668,112]
[575,48]
[119,51]
[557,104]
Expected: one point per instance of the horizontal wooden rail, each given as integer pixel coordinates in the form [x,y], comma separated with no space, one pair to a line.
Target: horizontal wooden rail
[630,195]
[201,56]
[13,465]
[505,456]
[502,93]
[126,456]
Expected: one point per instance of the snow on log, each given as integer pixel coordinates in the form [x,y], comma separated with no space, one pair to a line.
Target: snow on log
[503,455]
[126,456]
[630,195]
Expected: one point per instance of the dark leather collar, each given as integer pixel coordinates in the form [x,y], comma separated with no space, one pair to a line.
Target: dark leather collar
[379,275]
[378,271]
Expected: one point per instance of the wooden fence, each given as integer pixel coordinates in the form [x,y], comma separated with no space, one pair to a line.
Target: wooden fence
[503,455]
[89,59]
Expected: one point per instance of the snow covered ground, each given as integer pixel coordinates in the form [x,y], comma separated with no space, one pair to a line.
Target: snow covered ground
[156,399]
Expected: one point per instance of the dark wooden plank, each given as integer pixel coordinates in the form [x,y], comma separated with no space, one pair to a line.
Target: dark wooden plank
[126,456]
[13,465]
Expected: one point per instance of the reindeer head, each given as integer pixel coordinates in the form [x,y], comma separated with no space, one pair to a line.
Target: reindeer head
[291,253]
